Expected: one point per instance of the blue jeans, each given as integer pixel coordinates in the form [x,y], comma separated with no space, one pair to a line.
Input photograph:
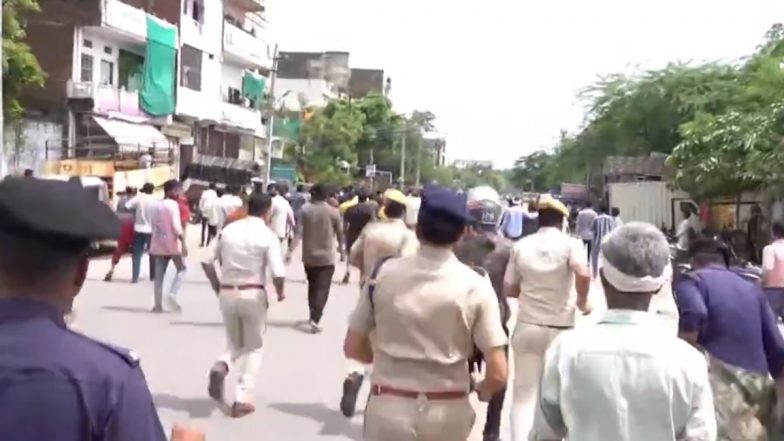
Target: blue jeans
[141,242]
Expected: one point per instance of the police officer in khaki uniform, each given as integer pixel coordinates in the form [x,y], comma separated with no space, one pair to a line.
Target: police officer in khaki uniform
[427,311]
[377,241]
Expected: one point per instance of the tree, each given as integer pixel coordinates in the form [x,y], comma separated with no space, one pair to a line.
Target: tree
[532,171]
[20,66]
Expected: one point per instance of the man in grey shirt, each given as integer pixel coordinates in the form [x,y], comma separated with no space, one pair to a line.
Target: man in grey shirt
[320,226]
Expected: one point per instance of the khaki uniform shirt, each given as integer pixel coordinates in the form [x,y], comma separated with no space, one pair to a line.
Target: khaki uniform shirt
[430,310]
[379,240]
[542,265]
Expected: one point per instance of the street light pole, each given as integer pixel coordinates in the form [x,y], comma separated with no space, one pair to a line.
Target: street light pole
[403,156]
[271,118]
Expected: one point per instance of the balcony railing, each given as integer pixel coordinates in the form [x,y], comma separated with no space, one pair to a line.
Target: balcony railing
[107,98]
[238,114]
[242,44]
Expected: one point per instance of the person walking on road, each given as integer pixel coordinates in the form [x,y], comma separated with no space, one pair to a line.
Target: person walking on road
[513,220]
[228,202]
[773,270]
[56,384]
[143,205]
[583,225]
[168,245]
[355,218]
[413,202]
[544,271]
[487,252]
[376,242]
[281,219]
[208,229]
[246,250]
[729,318]
[623,379]
[427,311]
[320,227]
[601,226]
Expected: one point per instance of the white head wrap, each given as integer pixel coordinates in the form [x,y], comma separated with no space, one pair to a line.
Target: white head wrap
[626,283]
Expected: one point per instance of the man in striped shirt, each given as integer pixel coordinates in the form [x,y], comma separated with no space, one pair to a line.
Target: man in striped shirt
[601,226]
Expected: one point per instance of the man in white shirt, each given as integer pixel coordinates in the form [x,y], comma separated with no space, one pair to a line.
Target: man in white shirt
[413,203]
[624,379]
[583,226]
[245,250]
[544,271]
[143,206]
[689,227]
[208,229]
[228,202]
[281,217]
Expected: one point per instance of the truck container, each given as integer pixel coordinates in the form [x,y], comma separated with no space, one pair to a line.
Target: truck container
[648,201]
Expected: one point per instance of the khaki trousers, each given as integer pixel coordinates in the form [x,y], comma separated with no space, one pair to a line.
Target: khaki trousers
[391,418]
[529,343]
[245,320]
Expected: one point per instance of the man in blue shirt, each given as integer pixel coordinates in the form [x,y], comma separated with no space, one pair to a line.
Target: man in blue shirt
[731,320]
[56,384]
[512,221]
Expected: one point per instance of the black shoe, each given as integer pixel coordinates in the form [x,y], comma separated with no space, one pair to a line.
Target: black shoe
[351,386]
[217,380]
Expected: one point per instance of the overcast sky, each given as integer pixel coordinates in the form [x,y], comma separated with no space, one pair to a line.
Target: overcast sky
[502,75]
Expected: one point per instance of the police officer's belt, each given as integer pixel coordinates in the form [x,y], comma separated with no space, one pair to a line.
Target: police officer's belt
[242,287]
[442,395]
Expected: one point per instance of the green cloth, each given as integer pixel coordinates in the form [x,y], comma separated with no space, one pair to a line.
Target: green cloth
[286,128]
[253,88]
[157,93]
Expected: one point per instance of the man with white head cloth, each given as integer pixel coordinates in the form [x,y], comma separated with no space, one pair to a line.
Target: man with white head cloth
[623,379]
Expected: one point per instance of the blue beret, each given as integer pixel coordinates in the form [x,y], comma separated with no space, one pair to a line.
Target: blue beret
[442,202]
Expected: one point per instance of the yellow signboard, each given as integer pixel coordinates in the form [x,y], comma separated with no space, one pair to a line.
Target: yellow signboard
[77,167]
[136,178]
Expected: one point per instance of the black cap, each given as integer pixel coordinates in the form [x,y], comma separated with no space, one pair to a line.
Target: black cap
[63,212]
[441,201]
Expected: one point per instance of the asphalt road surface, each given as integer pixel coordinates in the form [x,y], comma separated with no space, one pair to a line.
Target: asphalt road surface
[299,384]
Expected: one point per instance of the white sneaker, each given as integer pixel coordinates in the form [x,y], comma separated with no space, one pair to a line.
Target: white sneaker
[314,327]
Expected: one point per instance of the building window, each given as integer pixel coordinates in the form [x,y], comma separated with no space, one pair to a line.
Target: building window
[107,73]
[107,50]
[87,68]
[87,43]
[190,73]
[130,67]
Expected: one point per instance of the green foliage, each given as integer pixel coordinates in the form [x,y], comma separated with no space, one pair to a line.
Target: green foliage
[20,67]
[721,123]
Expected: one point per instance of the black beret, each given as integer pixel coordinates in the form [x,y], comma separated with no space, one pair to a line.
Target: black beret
[54,210]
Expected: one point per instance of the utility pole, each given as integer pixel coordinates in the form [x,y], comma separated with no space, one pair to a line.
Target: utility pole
[271,118]
[403,155]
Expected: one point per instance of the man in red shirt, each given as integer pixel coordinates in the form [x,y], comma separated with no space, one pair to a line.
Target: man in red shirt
[185,211]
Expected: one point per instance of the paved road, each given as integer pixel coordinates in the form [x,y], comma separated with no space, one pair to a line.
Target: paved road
[300,381]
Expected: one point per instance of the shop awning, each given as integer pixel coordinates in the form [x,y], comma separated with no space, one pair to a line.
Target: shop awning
[132,137]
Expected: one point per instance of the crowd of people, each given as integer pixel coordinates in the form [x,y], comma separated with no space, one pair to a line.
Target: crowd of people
[432,322]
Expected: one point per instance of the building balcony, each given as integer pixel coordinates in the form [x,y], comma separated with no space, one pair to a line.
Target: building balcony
[241,117]
[248,5]
[125,19]
[107,99]
[245,48]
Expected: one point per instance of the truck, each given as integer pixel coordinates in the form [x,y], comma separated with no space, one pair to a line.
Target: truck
[649,201]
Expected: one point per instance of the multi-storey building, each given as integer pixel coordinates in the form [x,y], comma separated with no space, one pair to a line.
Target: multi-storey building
[134,75]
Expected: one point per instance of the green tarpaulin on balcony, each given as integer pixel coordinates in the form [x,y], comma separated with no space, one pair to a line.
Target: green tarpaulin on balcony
[286,127]
[253,88]
[157,94]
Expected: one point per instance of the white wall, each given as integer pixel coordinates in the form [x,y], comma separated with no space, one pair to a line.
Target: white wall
[312,92]
[231,76]
[26,141]
[99,42]
[203,104]
[208,35]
